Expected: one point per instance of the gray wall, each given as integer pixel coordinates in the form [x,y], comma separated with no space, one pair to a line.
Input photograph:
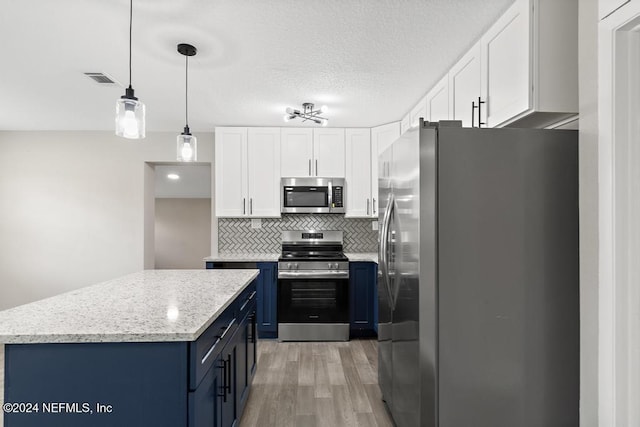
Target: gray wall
[182,232]
[72,208]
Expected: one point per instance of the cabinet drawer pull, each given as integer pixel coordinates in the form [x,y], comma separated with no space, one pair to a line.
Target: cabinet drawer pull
[228,386]
[249,298]
[220,338]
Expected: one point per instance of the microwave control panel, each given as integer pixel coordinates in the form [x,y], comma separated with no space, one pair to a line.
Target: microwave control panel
[338,201]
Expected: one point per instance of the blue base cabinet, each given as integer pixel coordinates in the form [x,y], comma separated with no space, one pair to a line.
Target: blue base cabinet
[363,298]
[203,383]
[267,296]
[267,300]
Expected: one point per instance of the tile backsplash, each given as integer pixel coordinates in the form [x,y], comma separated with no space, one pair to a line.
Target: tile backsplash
[235,235]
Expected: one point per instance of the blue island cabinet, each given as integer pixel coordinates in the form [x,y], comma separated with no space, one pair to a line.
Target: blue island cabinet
[267,297]
[204,383]
[363,299]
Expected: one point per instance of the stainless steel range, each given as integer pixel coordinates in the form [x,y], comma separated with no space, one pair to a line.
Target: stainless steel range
[313,287]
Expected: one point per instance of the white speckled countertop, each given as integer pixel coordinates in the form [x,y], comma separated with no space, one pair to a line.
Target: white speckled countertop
[151,305]
[367,257]
[245,257]
[269,257]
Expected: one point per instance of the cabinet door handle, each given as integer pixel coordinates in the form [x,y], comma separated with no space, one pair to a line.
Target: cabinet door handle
[374,206]
[244,206]
[228,384]
[316,167]
[480,122]
[309,167]
[473,114]
[224,381]
[251,205]
[367,206]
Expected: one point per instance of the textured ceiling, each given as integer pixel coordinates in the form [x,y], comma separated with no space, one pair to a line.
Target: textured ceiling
[370,61]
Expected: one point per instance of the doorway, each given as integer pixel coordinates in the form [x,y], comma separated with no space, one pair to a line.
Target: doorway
[182,215]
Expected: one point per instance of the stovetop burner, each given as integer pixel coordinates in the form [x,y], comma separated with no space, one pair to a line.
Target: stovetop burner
[312,245]
[313,256]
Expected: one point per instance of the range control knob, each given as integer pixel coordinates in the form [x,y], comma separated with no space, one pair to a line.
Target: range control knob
[335,265]
[289,266]
[329,265]
[295,266]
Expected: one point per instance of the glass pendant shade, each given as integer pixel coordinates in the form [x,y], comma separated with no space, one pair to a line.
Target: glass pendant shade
[187,148]
[130,118]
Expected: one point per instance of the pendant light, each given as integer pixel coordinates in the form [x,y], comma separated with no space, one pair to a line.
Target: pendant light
[187,146]
[129,110]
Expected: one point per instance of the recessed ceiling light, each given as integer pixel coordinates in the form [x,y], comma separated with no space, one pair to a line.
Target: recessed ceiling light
[173,176]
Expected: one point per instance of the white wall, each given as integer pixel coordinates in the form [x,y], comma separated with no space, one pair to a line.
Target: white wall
[183,232]
[72,208]
[588,161]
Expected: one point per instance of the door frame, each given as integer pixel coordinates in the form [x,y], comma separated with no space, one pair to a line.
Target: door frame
[619,217]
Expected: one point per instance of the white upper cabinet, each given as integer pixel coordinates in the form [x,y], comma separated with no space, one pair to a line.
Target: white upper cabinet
[405,124]
[383,136]
[418,111]
[607,7]
[464,88]
[296,148]
[230,172]
[247,170]
[263,167]
[529,64]
[312,152]
[359,197]
[438,101]
[328,152]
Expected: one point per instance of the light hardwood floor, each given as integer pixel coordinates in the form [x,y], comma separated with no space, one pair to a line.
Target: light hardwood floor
[308,384]
[316,384]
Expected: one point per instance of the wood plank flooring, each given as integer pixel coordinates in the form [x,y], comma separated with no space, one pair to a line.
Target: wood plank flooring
[308,385]
[316,384]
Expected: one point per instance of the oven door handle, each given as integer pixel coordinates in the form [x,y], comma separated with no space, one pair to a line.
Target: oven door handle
[313,274]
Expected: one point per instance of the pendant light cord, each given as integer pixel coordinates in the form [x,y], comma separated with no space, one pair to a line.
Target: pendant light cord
[130,32]
[186,91]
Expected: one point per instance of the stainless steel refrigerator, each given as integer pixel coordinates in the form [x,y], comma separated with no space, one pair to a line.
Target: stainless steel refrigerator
[478,277]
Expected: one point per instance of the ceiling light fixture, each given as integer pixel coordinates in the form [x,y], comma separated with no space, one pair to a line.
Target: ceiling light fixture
[308,113]
[173,176]
[187,144]
[129,110]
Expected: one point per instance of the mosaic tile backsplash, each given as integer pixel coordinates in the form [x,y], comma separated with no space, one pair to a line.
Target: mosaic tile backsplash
[235,235]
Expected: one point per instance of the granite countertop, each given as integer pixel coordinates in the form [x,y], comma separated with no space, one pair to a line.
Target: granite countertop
[270,257]
[367,257]
[148,306]
[245,257]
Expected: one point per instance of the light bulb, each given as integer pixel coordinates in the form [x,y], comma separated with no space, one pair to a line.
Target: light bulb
[325,122]
[289,110]
[129,125]
[286,117]
[186,151]
[324,109]
[187,147]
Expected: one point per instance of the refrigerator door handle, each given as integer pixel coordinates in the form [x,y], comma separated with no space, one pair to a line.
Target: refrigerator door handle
[384,250]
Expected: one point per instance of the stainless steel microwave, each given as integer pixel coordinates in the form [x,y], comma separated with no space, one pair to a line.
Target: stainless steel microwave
[312,195]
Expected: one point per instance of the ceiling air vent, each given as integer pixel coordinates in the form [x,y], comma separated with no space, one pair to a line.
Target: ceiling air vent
[100,78]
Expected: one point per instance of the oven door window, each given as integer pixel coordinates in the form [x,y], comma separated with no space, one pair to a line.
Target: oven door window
[313,301]
[306,197]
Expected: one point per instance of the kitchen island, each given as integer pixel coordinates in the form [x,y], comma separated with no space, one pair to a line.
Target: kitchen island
[156,348]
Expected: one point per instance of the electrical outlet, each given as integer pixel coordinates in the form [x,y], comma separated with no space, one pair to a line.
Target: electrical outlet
[256,222]
[374,225]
